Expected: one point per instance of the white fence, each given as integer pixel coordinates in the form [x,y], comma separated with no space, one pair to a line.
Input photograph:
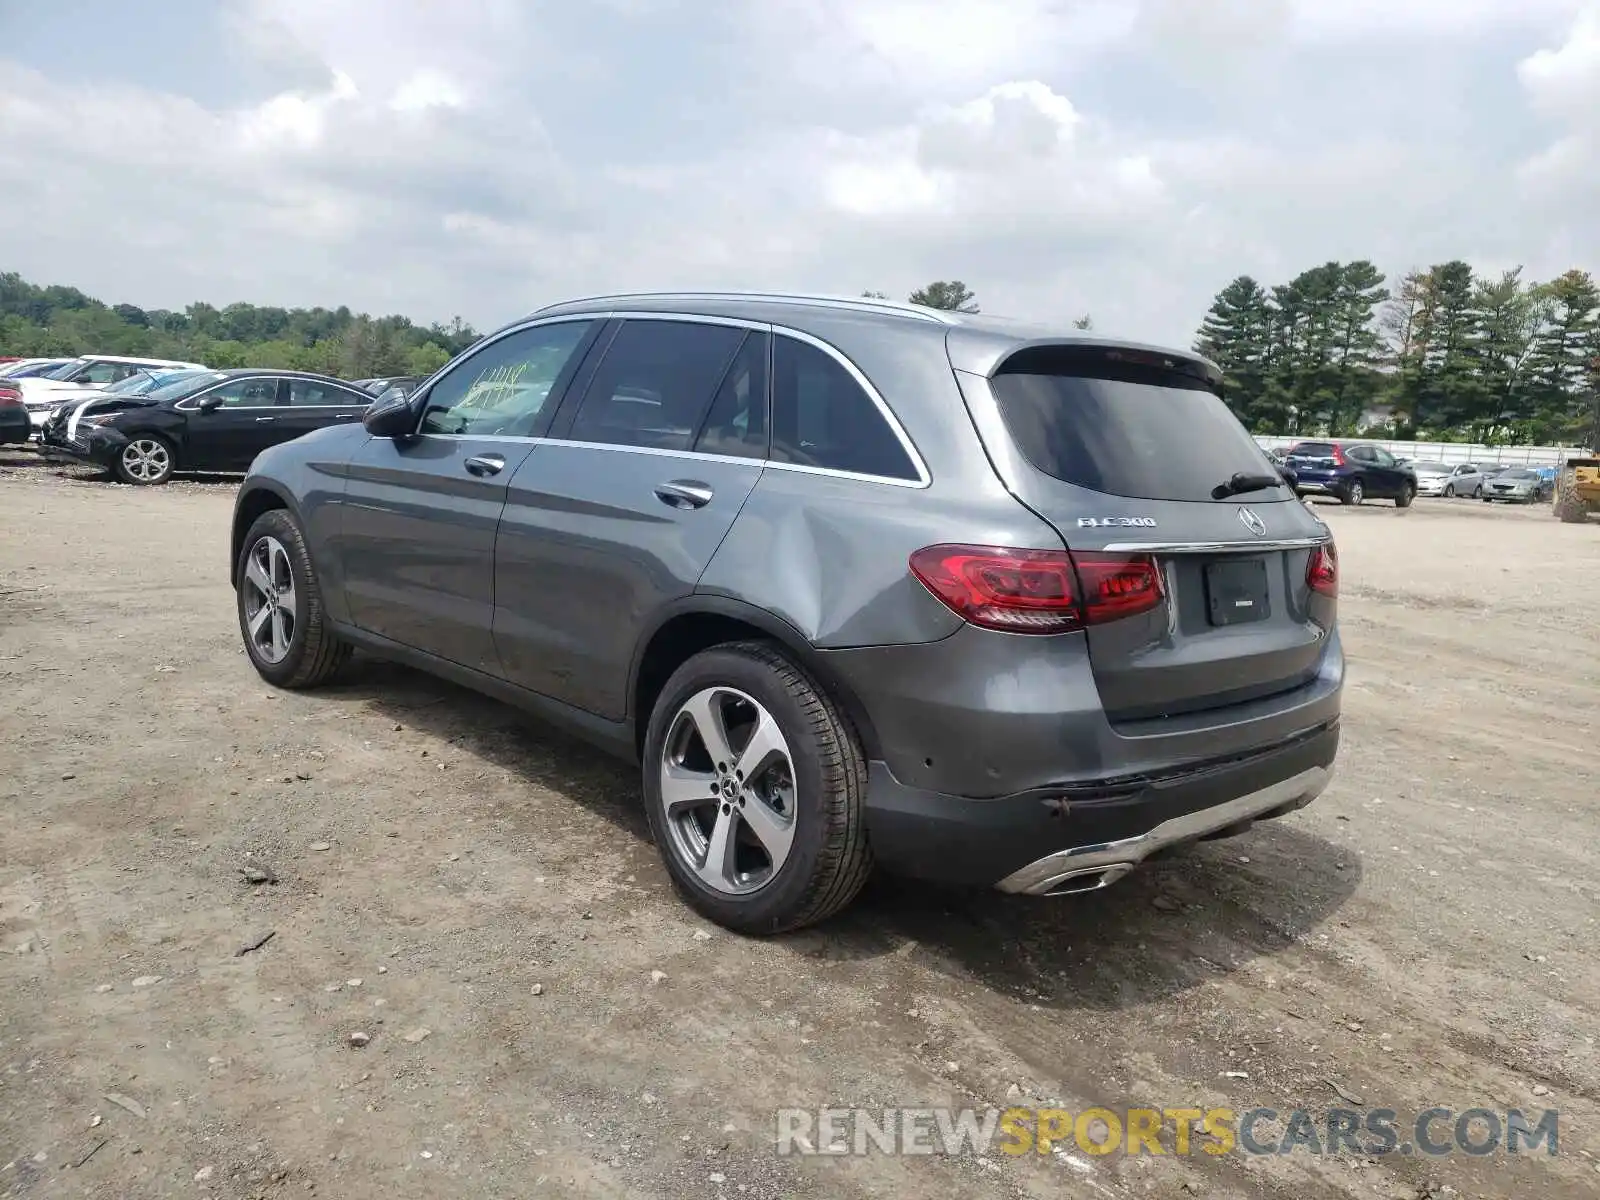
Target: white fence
[1451,452]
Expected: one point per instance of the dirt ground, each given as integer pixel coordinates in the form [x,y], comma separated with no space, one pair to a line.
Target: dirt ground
[1422,935]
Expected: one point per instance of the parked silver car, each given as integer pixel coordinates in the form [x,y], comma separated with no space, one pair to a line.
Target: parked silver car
[1444,479]
[1519,486]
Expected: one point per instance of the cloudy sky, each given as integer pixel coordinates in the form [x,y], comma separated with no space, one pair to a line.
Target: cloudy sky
[480,157]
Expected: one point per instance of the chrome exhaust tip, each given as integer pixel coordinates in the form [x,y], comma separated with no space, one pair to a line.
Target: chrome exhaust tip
[1075,883]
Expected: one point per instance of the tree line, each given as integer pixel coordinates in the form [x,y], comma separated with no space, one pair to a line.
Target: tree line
[52,321]
[1445,355]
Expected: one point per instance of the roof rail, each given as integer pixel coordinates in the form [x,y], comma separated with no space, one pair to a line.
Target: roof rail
[855,303]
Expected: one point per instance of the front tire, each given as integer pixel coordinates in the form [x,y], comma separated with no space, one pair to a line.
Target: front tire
[281,614]
[1449,491]
[1406,496]
[146,461]
[1354,493]
[755,787]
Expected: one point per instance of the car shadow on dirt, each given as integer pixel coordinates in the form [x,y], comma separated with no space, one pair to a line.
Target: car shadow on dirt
[1197,914]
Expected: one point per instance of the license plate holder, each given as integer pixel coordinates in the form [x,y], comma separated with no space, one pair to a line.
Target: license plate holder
[1236,591]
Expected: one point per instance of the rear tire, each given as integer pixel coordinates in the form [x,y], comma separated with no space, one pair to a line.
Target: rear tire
[817,822]
[1353,493]
[290,644]
[1477,492]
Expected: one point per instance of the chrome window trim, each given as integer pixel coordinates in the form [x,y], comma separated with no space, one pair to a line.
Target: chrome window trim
[924,477]
[690,455]
[1299,543]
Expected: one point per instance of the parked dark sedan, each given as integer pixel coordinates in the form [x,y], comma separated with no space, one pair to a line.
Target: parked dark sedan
[1351,472]
[14,426]
[213,421]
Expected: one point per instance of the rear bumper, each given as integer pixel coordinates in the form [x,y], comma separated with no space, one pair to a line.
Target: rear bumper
[1082,836]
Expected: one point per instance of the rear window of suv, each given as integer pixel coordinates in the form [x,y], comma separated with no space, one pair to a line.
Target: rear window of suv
[1123,428]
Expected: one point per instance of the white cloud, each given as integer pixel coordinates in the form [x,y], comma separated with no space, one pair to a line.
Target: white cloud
[1561,181]
[1565,82]
[1462,19]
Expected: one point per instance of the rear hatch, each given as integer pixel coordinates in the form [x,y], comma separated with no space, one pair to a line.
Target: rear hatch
[1315,462]
[1134,453]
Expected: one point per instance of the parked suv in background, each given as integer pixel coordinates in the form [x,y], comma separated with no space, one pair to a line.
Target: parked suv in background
[1351,472]
[853,581]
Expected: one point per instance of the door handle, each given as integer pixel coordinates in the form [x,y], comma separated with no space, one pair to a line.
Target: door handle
[684,493]
[485,464]
[266,418]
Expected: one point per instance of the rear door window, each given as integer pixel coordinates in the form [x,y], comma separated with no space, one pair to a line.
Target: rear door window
[311,393]
[655,383]
[822,417]
[1124,429]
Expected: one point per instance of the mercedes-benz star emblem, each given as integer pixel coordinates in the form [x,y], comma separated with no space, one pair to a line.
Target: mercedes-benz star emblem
[1253,523]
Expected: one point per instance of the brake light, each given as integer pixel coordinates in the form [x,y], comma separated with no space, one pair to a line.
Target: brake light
[1338,455]
[1322,572]
[10,397]
[1037,591]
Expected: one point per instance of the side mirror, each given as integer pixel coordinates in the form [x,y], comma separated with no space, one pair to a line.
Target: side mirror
[210,404]
[390,417]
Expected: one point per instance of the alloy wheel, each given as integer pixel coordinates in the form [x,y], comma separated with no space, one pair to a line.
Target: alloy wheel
[728,790]
[146,459]
[270,610]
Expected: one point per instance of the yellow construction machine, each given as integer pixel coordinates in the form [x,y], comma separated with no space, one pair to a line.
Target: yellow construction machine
[1578,482]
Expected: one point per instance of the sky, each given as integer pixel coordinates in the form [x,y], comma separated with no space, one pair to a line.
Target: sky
[1124,158]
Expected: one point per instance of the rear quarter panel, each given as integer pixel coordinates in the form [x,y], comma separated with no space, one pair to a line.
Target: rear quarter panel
[829,553]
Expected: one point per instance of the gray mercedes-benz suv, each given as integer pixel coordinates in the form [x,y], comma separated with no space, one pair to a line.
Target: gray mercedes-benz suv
[854,582]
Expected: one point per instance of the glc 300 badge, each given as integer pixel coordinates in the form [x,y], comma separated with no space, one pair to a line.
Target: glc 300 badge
[1116,522]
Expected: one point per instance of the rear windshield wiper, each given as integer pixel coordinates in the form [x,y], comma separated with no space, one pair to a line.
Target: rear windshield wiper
[1242,482]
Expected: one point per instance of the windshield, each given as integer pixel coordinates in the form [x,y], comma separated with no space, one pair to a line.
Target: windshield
[145,383]
[133,385]
[188,381]
[1431,468]
[1521,474]
[1143,433]
[66,369]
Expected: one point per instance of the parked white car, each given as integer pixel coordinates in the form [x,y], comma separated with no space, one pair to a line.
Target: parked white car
[42,394]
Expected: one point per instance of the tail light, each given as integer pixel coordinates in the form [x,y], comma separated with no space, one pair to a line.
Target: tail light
[1037,591]
[1338,455]
[10,397]
[1322,572]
